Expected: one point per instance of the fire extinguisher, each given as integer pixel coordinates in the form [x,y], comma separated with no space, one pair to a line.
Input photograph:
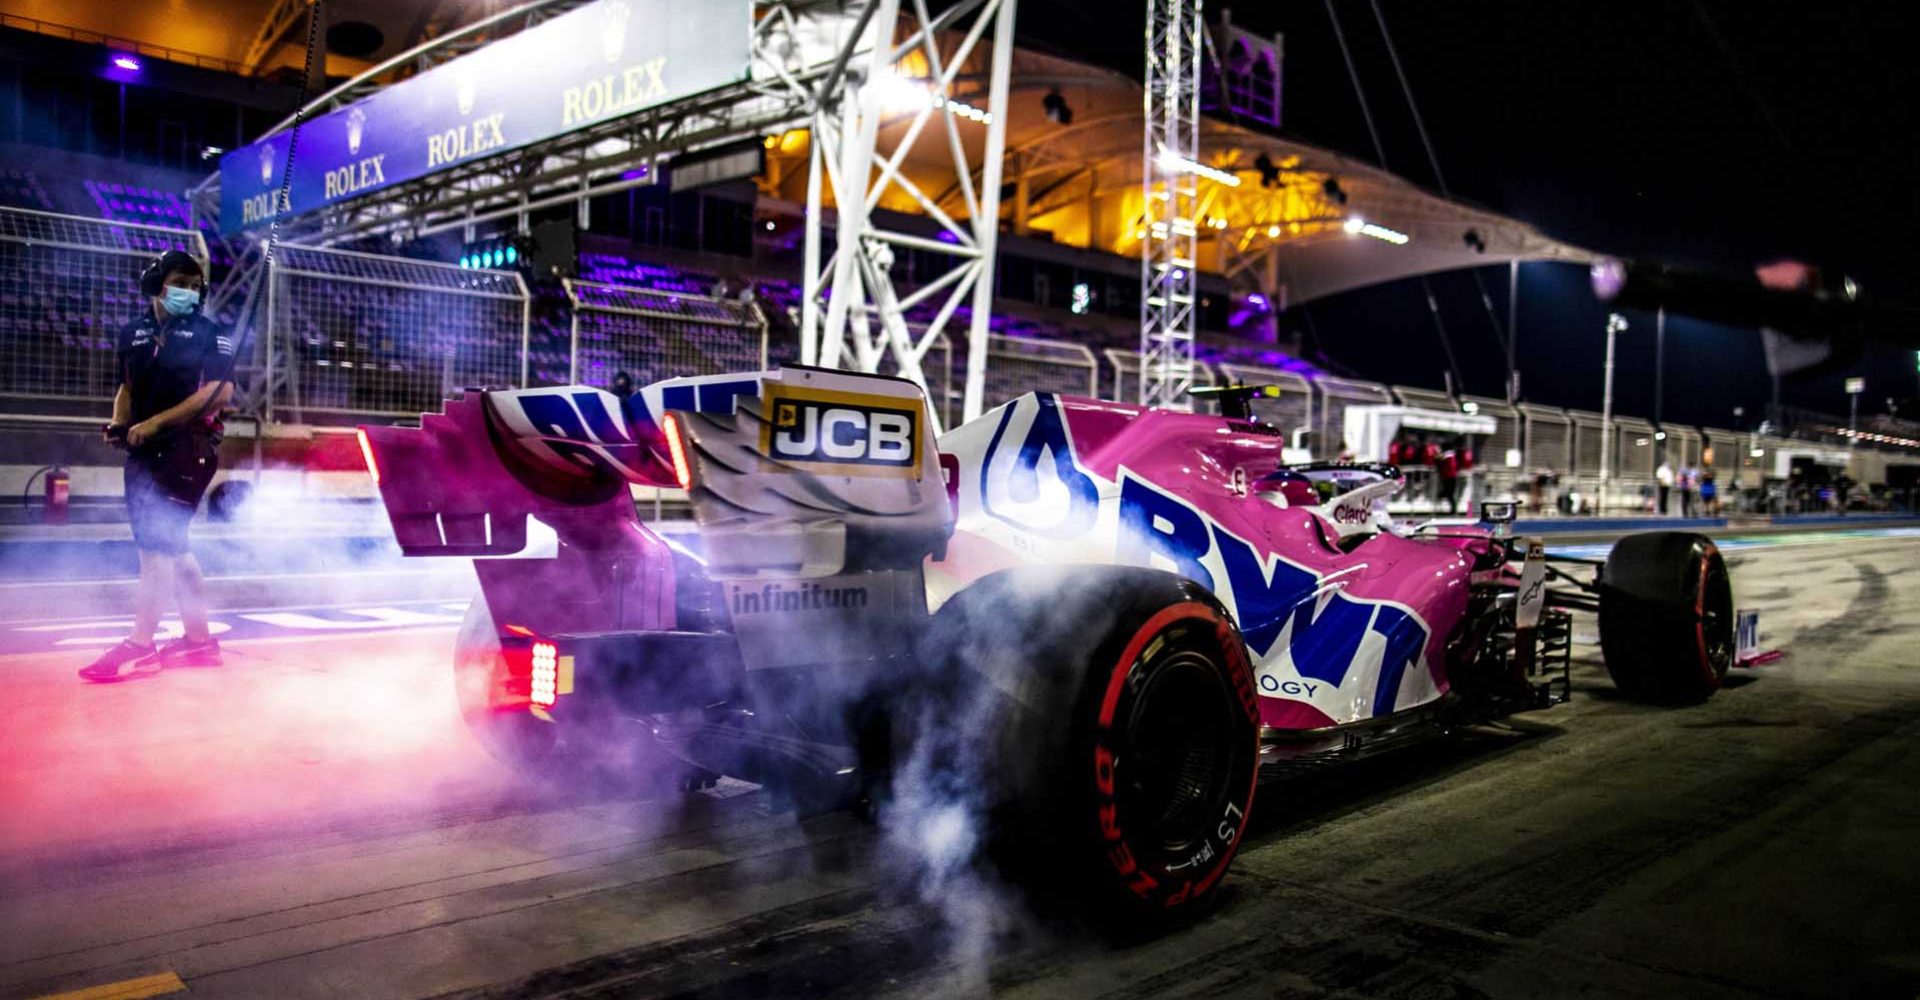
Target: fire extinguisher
[58,487]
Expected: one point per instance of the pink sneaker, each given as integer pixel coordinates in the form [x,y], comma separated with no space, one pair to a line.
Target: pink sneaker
[128,659]
[187,653]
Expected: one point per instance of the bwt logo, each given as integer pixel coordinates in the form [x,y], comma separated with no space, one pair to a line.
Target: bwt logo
[874,433]
[1290,617]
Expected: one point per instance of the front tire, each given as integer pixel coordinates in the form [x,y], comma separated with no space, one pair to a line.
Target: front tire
[1115,733]
[1666,617]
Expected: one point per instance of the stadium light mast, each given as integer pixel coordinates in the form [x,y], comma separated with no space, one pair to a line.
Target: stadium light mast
[1170,194]
[851,314]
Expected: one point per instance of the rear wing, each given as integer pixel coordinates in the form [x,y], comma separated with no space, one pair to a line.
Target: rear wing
[465,481]
[816,473]
[797,474]
[783,467]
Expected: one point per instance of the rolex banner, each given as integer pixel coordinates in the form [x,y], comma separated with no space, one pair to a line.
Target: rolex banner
[598,62]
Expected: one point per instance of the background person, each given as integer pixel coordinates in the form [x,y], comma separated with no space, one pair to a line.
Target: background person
[1449,474]
[174,368]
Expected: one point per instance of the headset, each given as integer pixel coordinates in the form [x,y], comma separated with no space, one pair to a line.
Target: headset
[155,275]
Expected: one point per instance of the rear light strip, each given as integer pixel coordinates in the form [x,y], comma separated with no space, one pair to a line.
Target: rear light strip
[546,674]
[676,450]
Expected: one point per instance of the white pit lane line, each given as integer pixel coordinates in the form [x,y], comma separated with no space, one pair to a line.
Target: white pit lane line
[310,621]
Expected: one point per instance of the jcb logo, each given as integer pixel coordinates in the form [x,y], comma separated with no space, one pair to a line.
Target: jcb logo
[848,433]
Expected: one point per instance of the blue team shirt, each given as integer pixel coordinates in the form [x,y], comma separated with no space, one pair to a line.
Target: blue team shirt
[163,363]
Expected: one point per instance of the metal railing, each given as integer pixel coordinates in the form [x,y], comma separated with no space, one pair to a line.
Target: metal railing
[1124,367]
[358,334]
[1019,365]
[944,394]
[131,45]
[1336,395]
[653,335]
[371,335]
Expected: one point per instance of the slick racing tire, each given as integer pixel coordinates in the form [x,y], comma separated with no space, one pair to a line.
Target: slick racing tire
[1666,617]
[1108,723]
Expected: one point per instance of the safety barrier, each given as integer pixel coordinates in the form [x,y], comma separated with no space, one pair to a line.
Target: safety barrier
[1635,452]
[1549,437]
[1586,445]
[1684,446]
[67,285]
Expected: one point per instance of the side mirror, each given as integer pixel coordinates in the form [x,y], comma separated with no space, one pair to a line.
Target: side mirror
[1499,511]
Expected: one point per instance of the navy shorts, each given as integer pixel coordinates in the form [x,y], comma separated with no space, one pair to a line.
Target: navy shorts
[163,487]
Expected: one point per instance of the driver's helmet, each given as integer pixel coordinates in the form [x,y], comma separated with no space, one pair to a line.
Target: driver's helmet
[1287,488]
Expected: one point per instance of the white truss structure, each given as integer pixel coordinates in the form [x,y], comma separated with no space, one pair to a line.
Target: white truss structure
[852,314]
[833,66]
[1170,197]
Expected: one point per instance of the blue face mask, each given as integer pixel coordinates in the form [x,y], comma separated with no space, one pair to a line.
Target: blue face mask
[180,301]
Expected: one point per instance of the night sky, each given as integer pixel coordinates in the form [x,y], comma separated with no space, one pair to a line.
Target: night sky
[1704,132]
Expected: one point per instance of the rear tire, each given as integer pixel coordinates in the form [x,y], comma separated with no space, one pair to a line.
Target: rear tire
[1666,617]
[1107,721]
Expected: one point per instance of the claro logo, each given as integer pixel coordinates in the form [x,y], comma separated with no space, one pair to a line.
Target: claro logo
[854,434]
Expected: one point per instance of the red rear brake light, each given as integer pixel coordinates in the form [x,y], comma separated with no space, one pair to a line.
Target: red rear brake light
[546,674]
[682,474]
[366,450]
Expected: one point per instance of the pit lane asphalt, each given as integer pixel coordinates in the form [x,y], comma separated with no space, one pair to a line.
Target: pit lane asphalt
[311,821]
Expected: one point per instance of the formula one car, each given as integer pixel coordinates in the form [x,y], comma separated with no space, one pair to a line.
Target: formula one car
[1088,625]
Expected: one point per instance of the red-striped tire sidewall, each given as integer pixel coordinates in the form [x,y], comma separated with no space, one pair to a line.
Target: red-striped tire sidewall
[1708,552]
[1145,881]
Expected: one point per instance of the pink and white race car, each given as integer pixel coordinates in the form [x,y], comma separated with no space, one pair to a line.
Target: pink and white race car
[1089,623]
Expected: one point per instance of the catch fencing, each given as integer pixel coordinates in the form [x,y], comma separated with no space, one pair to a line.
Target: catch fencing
[1019,365]
[360,334]
[944,395]
[653,335]
[1126,377]
[1499,456]
[1336,395]
[67,286]
[1291,411]
[343,335]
